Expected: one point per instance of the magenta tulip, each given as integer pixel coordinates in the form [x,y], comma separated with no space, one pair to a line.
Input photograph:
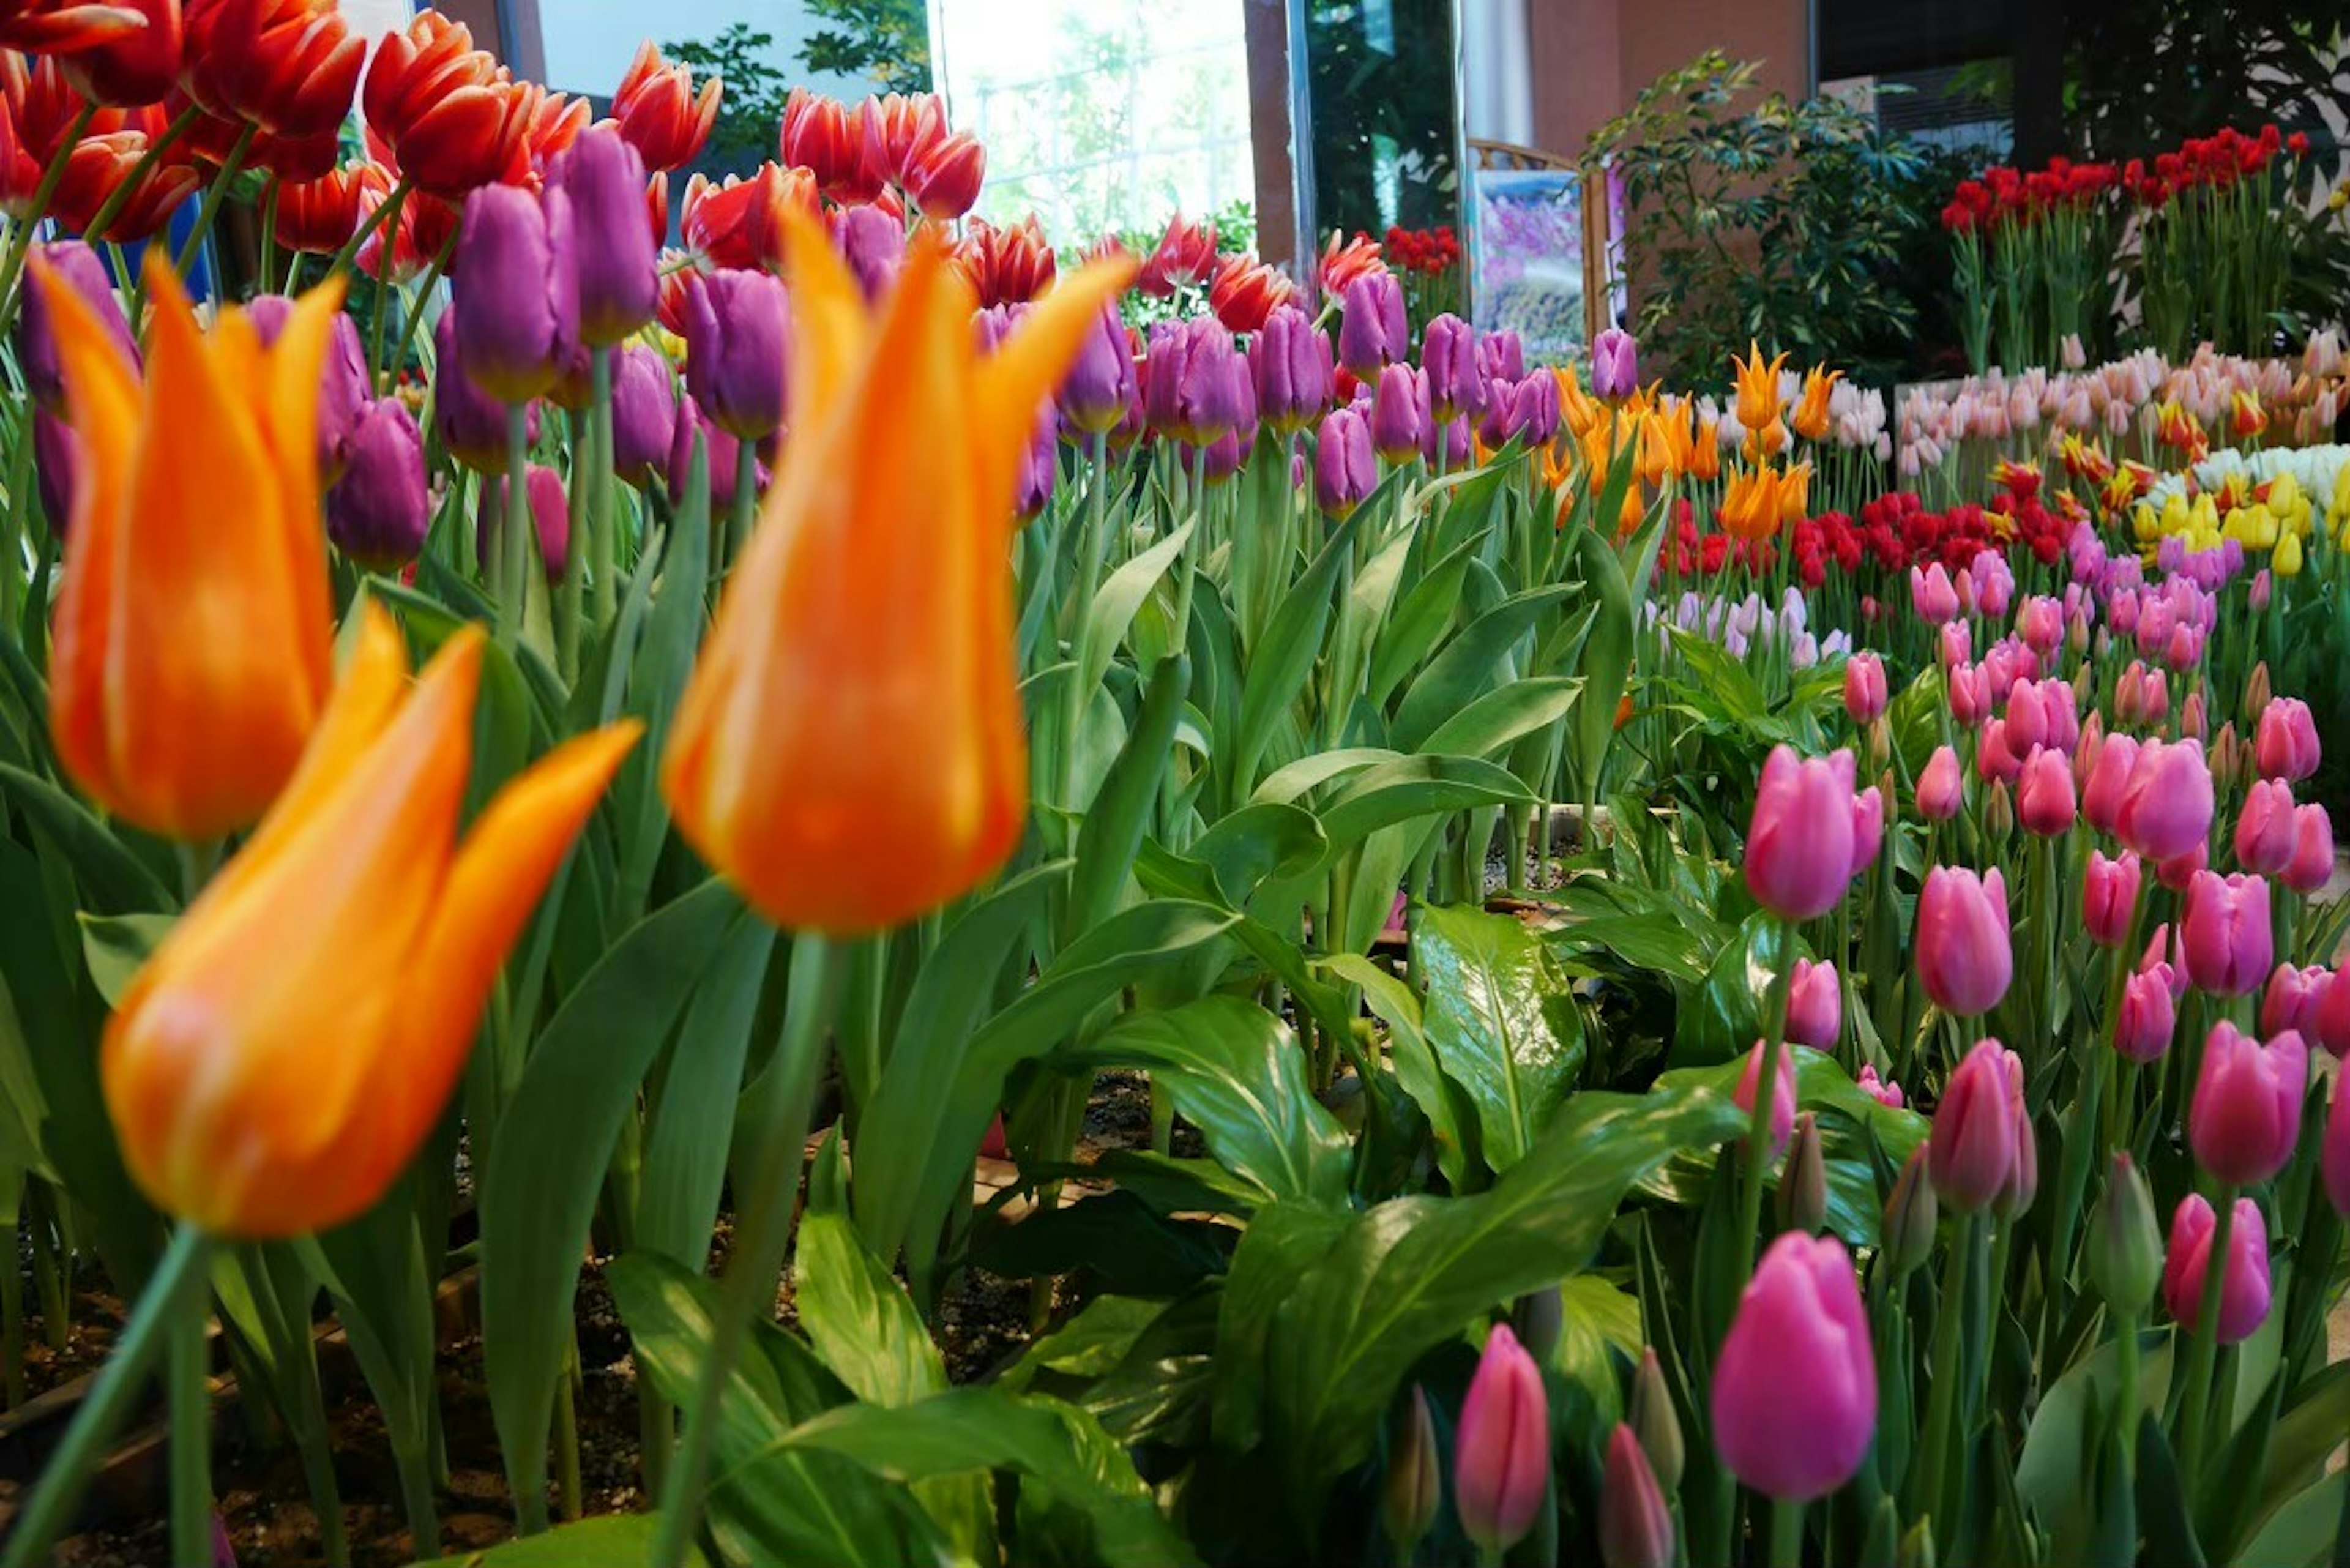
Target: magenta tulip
[1782,1094]
[550,514]
[379,512]
[2334,1154]
[2044,798]
[2150,1014]
[1864,687]
[2285,745]
[1344,474]
[2333,1013]
[1501,1462]
[2312,866]
[1794,1388]
[1290,358]
[1636,1527]
[1373,331]
[2110,897]
[1965,957]
[2223,930]
[1970,694]
[1448,356]
[2293,1000]
[1941,786]
[2243,1280]
[644,414]
[2247,1108]
[1799,846]
[2109,783]
[1883,1091]
[2264,832]
[1815,1005]
[1932,595]
[1400,413]
[620,280]
[1996,757]
[1971,1151]
[737,344]
[2165,808]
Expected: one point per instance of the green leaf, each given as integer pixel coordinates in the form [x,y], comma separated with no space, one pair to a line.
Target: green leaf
[1113,823]
[1607,653]
[1412,631]
[858,1318]
[1412,788]
[1300,778]
[1238,1074]
[1502,1021]
[1452,1118]
[553,1144]
[1467,665]
[1227,863]
[116,947]
[692,1124]
[1723,1019]
[1506,714]
[612,1541]
[112,878]
[2047,1473]
[1119,597]
[657,678]
[2301,1533]
[1279,666]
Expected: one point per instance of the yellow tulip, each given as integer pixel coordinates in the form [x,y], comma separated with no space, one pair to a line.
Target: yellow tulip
[290,1042]
[848,751]
[2286,558]
[1794,492]
[193,636]
[1758,387]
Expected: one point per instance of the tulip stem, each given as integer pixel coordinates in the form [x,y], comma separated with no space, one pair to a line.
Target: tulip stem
[269,236]
[514,519]
[763,1223]
[20,242]
[745,503]
[388,371]
[603,527]
[1925,1472]
[190,1381]
[1786,1532]
[1766,1086]
[2195,1387]
[386,212]
[215,195]
[180,1274]
[1091,546]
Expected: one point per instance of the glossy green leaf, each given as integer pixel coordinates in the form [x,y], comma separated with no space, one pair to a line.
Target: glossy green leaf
[1607,654]
[1112,829]
[1279,666]
[1466,667]
[116,947]
[1502,1021]
[1723,1018]
[692,1123]
[1507,714]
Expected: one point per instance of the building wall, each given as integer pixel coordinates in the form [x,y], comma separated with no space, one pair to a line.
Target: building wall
[1591,57]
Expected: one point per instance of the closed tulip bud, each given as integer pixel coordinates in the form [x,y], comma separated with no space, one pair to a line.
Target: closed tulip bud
[2334,1154]
[1973,1149]
[1398,413]
[1803,1201]
[380,511]
[346,390]
[1941,786]
[721,452]
[1783,1097]
[2227,755]
[2108,782]
[1957,642]
[1501,1462]
[603,179]
[1999,813]
[1864,687]
[56,468]
[2110,897]
[2225,934]
[2265,830]
[1653,1420]
[2312,866]
[1794,1388]
[550,514]
[1615,365]
[2293,1000]
[1867,828]
[2243,1280]
[2023,1183]
[842,703]
[2044,799]
[1373,331]
[1815,1005]
[873,243]
[1195,385]
[644,415]
[2285,744]
[517,300]
[1931,594]
[1970,694]
[2256,692]
[1289,360]
[471,423]
[1799,843]
[1344,473]
[1965,958]
[67,264]
[1448,355]
[1916,1549]
[1912,1213]
[1094,396]
[1415,1480]
[2192,722]
[2150,1014]
[2125,1241]
[263,1101]
[944,178]
[1636,1527]
[2166,807]
[737,332]
[2246,1112]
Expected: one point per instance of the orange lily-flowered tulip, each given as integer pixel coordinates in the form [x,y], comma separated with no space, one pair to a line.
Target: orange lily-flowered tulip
[287,66]
[848,752]
[1794,493]
[739,223]
[1580,413]
[276,1062]
[1705,453]
[1758,387]
[1810,419]
[192,651]
[1749,505]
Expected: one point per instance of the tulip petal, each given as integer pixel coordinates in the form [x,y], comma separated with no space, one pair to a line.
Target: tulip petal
[830,322]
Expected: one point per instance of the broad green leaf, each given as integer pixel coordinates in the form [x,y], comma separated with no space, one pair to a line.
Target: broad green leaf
[2048,1470]
[1723,1018]
[1412,788]
[1505,715]
[112,878]
[1115,604]
[1115,821]
[1419,622]
[858,1318]
[1452,1118]
[1502,1021]
[1278,666]
[116,948]
[1306,774]
[692,1123]
[611,1540]
[2301,1532]
[1607,654]
[1227,863]
[1466,666]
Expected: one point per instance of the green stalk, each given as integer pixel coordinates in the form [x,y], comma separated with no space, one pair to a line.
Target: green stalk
[1926,1471]
[746,502]
[416,1501]
[1786,1534]
[572,594]
[215,195]
[1091,548]
[269,236]
[189,1380]
[747,1292]
[386,212]
[603,525]
[12,1340]
[566,1435]
[514,522]
[20,242]
[1758,1124]
[388,370]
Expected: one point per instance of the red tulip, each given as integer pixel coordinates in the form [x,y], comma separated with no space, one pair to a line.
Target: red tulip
[660,115]
[1246,291]
[452,119]
[739,224]
[1007,264]
[136,68]
[289,66]
[827,139]
[944,179]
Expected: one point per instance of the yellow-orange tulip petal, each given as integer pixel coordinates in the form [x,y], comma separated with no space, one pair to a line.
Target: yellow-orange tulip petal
[1749,505]
[289,1044]
[848,751]
[1794,493]
[1705,453]
[192,645]
[1758,387]
[1810,419]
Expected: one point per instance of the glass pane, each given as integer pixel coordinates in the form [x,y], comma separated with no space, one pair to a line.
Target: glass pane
[1387,114]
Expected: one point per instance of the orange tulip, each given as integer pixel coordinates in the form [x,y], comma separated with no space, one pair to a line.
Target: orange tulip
[1758,387]
[288,67]
[1750,506]
[848,751]
[1705,453]
[739,223]
[289,1044]
[192,650]
[1794,493]
[1811,416]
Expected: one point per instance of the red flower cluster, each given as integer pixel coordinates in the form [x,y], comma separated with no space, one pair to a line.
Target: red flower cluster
[2005,195]
[1426,251]
[2218,160]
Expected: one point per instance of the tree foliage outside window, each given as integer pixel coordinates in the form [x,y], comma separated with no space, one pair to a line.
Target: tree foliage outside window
[885,40]
[752,110]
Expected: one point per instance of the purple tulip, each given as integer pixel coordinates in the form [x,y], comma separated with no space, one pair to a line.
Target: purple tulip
[1794,1388]
[1373,331]
[2244,1289]
[56,468]
[644,414]
[380,510]
[722,455]
[1100,383]
[1448,353]
[346,390]
[1344,470]
[1614,364]
[873,243]
[1524,410]
[517,289]
[67,264]
[1195,383]
[1502,355]
[1501,1462]
[619,281]
[1289,359]
[1445,443]
[737,338]
[471,423]
[1398,413]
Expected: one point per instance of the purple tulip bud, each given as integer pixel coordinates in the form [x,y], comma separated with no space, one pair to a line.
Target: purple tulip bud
[619,281]
[1448,353]
[873,243]
[472,423]
[1398,413]
[1344,472]
[644,414]
[73,265]
[1039,467]
[1100,382]
[346,390]
[1373,330]
[1501,1462]
[1195,384]
[1636,1527]
[1502,355]
[56,468]
[737,336]
[1614,364]
[724,453]
[550,515]
[379,512]
[1290,358]
[517,289]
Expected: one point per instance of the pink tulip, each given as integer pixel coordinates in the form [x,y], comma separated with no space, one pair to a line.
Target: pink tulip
[2108,782]
[2311,865]
[1815,1006]
[1932,595]
[2223,930]
[1883,1091]
[1794,1388]
[1965,958]
[2192,724]
[1996,757]
[2285,746]
[1972,1146]
[1867,828]
[2150,1014]
[1799,846]
[2333,1013]
[2041,623]
[1636,1526]
[2243,1281]
[2264,832]
[1969,687]
[1957,642]
[1864,687]
[2179,872]
[1501,1462]
[2334,1154]
[1783,1096]
[2293,1000]
[1940,786]
[2110,897]
[2043,800]
[2027,719]
[2247,1108]
[2165,808]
